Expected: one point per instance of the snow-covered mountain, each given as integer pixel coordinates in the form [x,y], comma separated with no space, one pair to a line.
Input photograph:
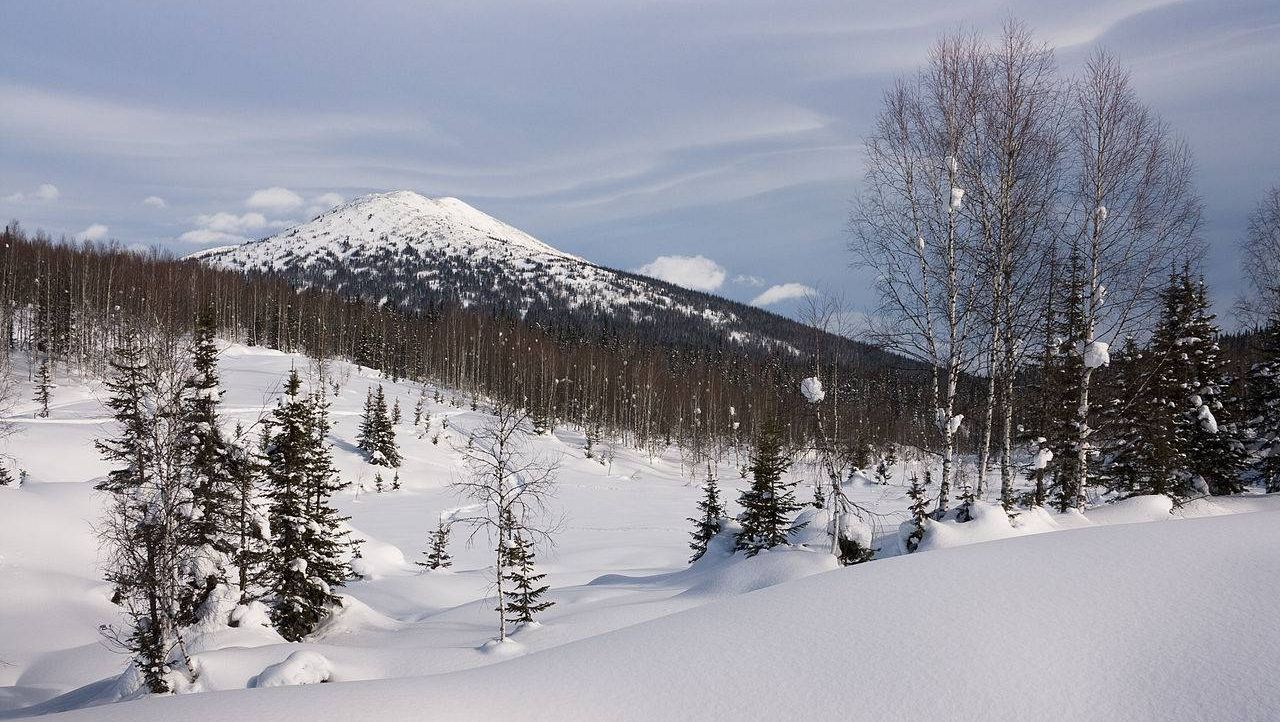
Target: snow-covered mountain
[415,252]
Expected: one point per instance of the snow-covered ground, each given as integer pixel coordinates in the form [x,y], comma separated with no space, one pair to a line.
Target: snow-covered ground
[1109,620]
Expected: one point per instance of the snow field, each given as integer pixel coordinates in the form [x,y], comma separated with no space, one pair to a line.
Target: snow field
[631,616]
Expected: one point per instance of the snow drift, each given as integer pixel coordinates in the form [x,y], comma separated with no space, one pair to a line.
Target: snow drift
[1145,621]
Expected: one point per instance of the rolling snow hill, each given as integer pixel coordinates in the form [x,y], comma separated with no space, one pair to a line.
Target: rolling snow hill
[415,252]
[1102,617]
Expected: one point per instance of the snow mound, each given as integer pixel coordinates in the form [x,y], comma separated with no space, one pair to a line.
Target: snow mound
[721,572]
[353,616]
[377,559]
[1134,510]
[301,667]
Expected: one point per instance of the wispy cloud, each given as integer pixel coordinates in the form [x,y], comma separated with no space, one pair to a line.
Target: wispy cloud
[46,192]
[782,292]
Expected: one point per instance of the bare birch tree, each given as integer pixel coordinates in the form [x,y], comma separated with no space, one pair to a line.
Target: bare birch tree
[909,226]
[1015,180]
[509,484]
[1262,259]
[1135,216]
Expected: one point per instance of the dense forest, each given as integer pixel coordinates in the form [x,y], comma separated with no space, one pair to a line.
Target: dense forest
[67,304]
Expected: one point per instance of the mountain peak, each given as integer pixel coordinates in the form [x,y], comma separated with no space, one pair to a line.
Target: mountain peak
[401,221]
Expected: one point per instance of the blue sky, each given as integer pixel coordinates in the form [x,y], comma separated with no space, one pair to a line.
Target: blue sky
[619,131]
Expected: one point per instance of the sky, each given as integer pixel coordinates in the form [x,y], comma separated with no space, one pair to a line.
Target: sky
[714,143]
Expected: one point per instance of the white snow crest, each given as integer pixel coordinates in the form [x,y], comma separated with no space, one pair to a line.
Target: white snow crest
[301,667]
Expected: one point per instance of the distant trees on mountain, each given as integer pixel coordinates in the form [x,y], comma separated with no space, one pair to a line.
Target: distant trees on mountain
[615,379]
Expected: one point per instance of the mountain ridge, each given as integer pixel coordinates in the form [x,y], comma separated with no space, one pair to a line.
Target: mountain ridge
[421,253]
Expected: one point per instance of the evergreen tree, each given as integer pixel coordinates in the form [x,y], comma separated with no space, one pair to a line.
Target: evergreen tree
[366,437]
[438,555]
[524,591]
[710,519]
[1061,391]
[919,513]
[308,545]
[395,413]
[1215,452]
[418,407]
[44,387]
[213,495]
[1264,408]
[1171,432]
[378,435]
[767,505]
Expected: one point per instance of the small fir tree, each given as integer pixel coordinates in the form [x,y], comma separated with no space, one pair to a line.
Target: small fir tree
[710,519]
[767,505]
[438,555]
[44,388]
[524,589]
[919,513]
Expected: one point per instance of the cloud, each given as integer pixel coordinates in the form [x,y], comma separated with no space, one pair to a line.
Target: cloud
[782,292]
[274,198]
[47,192]
[203,236]
[228,228]
[95,232]
[697,272]
[154,202]
[744,280]
[231,223]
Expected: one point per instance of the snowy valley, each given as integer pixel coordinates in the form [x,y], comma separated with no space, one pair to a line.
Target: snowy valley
[636,632]
[944,383]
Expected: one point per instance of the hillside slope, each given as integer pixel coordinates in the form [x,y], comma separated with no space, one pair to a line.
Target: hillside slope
[421,253]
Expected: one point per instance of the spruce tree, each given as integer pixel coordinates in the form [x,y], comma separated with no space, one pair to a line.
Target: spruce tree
[44,388]
[212,484]
[767,505]
[366,436]
[418,407]
[307,543]
[1264,409]
[438,555]
[1149,447]
[524,590]
[1215,452]
[919,513]
[710,517]
[1064,365]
